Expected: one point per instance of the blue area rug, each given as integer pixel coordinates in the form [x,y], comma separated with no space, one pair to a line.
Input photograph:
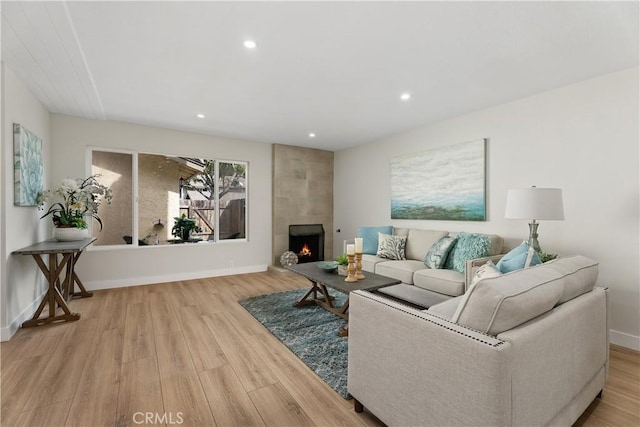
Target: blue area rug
[309,332]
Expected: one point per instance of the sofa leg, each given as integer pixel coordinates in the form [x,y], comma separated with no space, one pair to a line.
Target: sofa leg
[357,406]
[599,396]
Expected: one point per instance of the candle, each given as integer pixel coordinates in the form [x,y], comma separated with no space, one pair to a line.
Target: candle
[351,249]
[358,241]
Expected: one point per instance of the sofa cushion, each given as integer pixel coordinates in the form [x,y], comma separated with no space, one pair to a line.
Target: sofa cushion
[391,246]
[501,303]
[496,243]
[448,282]
[420,241]
[369,262]
[437,254]
[445,309]
[370,237]
[468,246]
[399,231]
[517,258]
[401,270]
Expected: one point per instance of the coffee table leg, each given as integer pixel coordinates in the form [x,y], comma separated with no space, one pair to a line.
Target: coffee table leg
[312,297]
[308,298]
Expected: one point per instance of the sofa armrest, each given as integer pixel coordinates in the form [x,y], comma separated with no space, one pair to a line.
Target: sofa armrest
[407,366]
[471,266]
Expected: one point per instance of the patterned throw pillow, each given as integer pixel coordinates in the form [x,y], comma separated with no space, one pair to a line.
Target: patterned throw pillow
[520,257]
[391,247]
[468,246]
[437,255]
[485,271]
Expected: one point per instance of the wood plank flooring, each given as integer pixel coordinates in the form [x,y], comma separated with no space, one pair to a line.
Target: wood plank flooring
[189,353]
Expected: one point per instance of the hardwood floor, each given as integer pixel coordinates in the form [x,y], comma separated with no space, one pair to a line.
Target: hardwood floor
[186,353]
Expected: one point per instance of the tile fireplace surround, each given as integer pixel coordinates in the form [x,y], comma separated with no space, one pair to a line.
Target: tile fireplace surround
[302,194]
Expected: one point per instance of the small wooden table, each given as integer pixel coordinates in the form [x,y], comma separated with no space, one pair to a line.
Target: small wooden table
[321,279]
[60,290]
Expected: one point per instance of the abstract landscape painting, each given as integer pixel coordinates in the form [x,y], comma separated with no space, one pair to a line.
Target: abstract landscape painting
[27,166]
[443,184]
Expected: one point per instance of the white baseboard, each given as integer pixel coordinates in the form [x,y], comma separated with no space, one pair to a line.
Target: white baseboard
[624,340]
[94,285]
[8,331]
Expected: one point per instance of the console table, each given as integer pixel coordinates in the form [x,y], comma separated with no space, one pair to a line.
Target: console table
[60,290]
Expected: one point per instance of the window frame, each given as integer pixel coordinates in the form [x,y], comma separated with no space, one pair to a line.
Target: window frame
[135,201]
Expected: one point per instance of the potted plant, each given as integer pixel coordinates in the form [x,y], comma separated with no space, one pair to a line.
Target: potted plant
[183,227]
[544,257]
[80,198]
[342,261]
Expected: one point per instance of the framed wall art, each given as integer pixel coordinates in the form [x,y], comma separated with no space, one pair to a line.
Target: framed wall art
[27,166]
[447,183]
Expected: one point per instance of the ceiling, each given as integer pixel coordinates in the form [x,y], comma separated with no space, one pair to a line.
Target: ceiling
[333,68]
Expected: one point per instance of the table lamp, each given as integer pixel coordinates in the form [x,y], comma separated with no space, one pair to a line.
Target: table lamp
[534,204]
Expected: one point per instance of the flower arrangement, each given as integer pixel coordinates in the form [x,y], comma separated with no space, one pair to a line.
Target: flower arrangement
[80,197]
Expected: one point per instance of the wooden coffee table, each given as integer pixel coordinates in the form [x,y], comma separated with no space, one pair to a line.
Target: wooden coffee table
[322,279]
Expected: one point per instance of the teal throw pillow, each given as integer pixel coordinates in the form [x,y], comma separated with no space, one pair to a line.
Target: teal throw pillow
[438,253]
[468,246]
[370,237]
[391,247]
[516,259]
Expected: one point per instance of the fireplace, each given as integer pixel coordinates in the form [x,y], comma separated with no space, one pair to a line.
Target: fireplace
[307,241]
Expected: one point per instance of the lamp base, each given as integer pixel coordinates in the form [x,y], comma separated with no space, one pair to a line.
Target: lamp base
[533,236]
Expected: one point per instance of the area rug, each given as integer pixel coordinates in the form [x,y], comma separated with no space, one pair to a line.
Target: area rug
[309,332]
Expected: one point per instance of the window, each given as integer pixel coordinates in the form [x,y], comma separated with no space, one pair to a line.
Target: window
[116,171]
[210,194]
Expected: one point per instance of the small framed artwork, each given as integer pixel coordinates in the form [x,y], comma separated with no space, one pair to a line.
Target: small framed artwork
[27,166]
[441,184]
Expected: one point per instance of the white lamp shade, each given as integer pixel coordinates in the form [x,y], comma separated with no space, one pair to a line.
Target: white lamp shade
[535,203]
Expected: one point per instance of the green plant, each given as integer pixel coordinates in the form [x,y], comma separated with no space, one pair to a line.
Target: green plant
[544,257]
[80,197]
[342,259]
[184,226]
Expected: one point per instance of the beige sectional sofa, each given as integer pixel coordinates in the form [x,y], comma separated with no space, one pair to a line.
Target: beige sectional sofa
[421,285]
[527,348]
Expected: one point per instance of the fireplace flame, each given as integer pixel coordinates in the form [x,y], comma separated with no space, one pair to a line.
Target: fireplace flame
[305,251]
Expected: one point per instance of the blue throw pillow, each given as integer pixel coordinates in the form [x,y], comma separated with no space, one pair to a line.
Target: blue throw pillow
[438,253]
[370,237]
[516,259]
[468,246]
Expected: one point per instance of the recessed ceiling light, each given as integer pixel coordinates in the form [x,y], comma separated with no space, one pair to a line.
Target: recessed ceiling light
[405,96]
[200,116]
[312,135]
[250,44]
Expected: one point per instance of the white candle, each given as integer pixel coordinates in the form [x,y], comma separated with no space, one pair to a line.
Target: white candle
[358,245]
[351,249]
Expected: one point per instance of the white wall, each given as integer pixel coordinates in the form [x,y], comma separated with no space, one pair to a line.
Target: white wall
[22,284]
[101,268]
[583,138]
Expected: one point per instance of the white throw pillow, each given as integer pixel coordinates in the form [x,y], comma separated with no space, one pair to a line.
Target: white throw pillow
[485,271]
[391,246]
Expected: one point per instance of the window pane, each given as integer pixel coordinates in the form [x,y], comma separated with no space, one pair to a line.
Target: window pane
[170,187]
[158,197]
[115,170]
[232,193]
[198,198]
